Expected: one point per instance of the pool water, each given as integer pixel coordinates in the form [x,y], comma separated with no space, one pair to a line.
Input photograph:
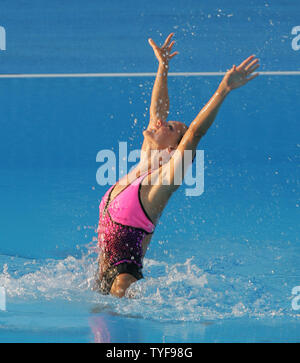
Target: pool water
[221,266]
[202,278]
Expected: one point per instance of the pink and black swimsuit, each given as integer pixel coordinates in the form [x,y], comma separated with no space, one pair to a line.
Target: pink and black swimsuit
[123,225]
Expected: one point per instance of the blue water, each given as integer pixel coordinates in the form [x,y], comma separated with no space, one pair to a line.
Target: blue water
[222,266]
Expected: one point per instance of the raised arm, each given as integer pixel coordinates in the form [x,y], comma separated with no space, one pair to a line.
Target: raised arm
[234,78]
[159,108]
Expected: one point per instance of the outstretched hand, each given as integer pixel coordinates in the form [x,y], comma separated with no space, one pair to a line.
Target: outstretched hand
[163,54]
[239,76]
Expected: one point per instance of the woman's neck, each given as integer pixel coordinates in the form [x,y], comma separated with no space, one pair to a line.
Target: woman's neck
[152,159]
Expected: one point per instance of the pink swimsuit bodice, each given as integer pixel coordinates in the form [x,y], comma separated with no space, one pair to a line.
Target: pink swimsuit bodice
[126,208]
[123,225]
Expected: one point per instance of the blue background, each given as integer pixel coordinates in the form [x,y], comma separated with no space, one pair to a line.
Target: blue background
[52,129]
[244,226]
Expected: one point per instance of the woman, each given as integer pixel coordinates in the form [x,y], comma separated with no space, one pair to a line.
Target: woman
[130,210]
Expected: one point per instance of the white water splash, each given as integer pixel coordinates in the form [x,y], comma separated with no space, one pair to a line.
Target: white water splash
[169,292]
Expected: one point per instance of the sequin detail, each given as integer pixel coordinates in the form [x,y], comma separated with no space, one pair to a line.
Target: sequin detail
[123,225]
[119,243]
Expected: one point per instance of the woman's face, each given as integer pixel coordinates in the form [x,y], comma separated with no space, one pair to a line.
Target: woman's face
[165,134]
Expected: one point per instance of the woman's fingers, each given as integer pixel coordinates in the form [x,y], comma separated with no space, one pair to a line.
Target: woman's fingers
[245,62]
[168,40]
[173,55]
[165,50]
[252,77]
[152,43]
[249,66]
[253,68]
[171,45]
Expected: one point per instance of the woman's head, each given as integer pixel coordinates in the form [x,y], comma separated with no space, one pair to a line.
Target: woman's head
[165,135]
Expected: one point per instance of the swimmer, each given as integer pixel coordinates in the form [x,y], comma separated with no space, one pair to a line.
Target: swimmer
[130,209]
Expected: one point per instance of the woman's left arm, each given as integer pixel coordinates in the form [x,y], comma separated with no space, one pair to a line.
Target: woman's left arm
[236,77]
